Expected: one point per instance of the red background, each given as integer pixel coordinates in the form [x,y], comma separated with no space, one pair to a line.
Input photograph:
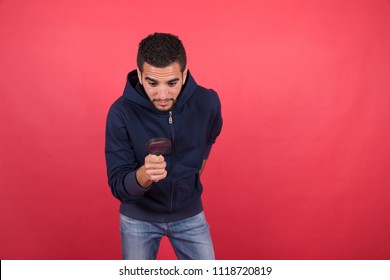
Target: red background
[302,167]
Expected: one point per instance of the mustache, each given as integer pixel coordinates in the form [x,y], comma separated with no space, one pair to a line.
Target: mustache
[163,100]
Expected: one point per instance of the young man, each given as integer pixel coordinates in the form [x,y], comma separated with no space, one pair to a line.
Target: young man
[160,195]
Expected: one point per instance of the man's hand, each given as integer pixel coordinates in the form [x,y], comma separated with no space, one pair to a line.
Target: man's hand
[152,171]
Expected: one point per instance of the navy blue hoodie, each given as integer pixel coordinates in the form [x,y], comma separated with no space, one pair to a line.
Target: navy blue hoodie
[192,125]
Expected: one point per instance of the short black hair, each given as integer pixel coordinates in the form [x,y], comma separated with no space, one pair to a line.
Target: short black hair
[161,50]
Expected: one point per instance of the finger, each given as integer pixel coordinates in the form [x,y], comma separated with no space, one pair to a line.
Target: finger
[155,168]
[158,177]
[154,158]
[155,172]
[155,165]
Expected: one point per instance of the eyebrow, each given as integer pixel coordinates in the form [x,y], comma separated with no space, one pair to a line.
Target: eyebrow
[169,81]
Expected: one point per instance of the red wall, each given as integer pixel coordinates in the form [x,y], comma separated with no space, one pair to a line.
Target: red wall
[301,170]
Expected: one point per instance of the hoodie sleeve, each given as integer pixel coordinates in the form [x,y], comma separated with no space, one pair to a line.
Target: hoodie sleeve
[120,159]
[216,127]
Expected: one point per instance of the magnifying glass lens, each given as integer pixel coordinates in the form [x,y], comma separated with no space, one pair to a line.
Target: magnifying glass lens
[158,146]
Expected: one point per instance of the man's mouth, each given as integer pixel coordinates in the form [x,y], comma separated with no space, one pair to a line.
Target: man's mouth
[163,102]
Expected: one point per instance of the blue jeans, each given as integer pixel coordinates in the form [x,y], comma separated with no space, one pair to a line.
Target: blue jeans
[190,238]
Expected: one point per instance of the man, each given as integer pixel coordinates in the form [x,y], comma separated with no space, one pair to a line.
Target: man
[160,195]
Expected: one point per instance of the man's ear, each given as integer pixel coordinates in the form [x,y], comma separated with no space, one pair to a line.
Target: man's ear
[185,75]
[139,73]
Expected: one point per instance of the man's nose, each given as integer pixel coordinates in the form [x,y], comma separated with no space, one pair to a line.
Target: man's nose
[162,93]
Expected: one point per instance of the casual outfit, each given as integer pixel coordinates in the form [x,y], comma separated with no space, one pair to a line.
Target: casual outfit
[192,125]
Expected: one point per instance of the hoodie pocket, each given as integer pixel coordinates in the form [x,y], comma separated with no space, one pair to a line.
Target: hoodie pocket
[187,190]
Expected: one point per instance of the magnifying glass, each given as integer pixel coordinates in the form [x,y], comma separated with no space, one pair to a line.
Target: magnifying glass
[158,146]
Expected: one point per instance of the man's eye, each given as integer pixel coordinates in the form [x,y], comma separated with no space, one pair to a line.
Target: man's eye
[152,84]
[172,84]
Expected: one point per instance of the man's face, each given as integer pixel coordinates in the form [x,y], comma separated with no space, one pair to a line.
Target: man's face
[162,85]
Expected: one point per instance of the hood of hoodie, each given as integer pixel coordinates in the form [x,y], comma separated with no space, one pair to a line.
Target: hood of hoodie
[134,92]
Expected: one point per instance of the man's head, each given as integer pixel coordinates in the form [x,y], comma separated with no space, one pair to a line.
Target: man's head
[161,50]
[162,71]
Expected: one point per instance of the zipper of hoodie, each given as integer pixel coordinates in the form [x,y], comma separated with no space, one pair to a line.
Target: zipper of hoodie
[170,121]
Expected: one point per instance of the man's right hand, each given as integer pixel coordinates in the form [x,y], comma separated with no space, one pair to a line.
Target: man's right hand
[153,170]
